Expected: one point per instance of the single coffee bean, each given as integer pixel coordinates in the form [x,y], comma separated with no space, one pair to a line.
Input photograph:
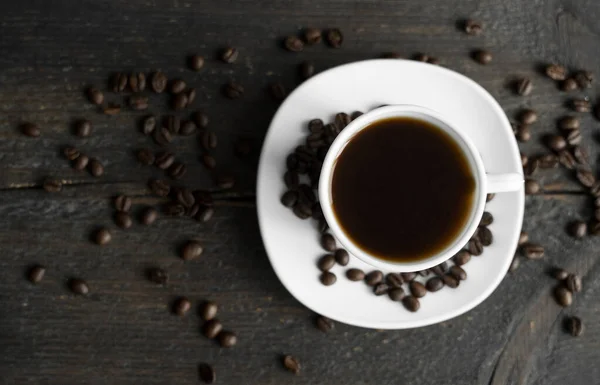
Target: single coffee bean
[145,156]
[569,84]
[560,274]
[394,280]
[123,220]
[556,72]
[293,44]
[36,274]
[417,289]
[316,126]
[486,219]
[173,124]
[532,167]
[568,123]
[148,216]
[191,96]
[138,102]
[573,283]
[556,143]
[209,140]
[79,286]
[408,277]
[208,310]
[355,274]
[159,187]
[112,109]
[421,57]
[547,161]
[584,79]
[71,153]
[324,324]
[489,197]
[574,326]
[328,242]
[181,306]
[164,160]
[302,211]
[229,55]
[580,105]
[523,133]
[187,128]
[207,373]
[514,265]
[102,236]
[52,185]
[581,155]
[291,364]
[204,214]
[177,86]
[159,82]
[180,101]
[327,278]
[342,257]
[162,136]
[433,60]
[118,82]
[96,168]
[434,284]
[227,339]
[192,210]
[475,247]
[137,81]
[532,251]
[374,277]
[563,296]
[566,159]
[233,90]
[177,170]
[485,236]
[95,96]
[523,238]
[334,38]
[209,161]
[524,86]
[191,250]
[158,276]
[289,198]
[396,294]
[81,162]
[196,62]
[326,262]
[185,197]
[458,272]
[291,179]
[312,36]
[574,137]
[462,257]
[450,281]
[528,116]
[411,303]
[278,91]
[342,119]
[482,56]
[380,289]
[578,229]
[212,328]
[31,130]
[149,125]
[306,69]
[473,27]
[532,187]
[225,181]
[585,177]
[83,128]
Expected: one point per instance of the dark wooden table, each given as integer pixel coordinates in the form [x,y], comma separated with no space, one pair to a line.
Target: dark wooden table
[123,332]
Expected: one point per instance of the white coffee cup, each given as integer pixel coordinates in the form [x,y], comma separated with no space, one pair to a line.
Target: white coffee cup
[484,184]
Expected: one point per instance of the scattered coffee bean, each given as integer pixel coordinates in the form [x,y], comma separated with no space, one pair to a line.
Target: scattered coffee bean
[172,124]
[293,44]
[569,84]
[473,27]
[83,128]
[158,276]
[209,161]
[396,294]
[523,238]
[326,262]
[434,284]
[394,280]
[532,167]
[36,274]
[302,211]
[191,96]
[324,324]
[334,38]
[578,229]
[574,326]
[568,123]
[524,86]
[408,277]
[205,214]
[207,373]
[585,177]
[458,272]
[306,69]
[164,160]
[374,277]
[450,281]
[112,109]
[581,155]
[208,311]
[148,216]
[485,236]
[181,306]
[380,289]
[291,364]
[81,162]
[102,236]
[475,247]
[137,81]
[289,198]
[573,283]
[138,102]
[560,274]
[514,265]
[566,159]
[532,187]
[233,90]
[177,86]
[584,79]
[191,250]
[528,116]
[71,153]
[118,82]
[417,289]
[278,91]
[532,251]
[149,125]
[159,82]
[212,328]
[162,136]
[312,36]
[355,274]
[177,170]
[462,257]
[95,96]
[411,303]
[580,105]
[96,168]
[557,142]
[52,185]
[159,187]
[574,137]
[229,55]
[342,119]
[328,242]
[482,56]
[188,128]
[79,286]
[556,72]
[342,257]
[180,101]
[196,62]
[201,119]
[123,220]
[563,296]
[31,130]
[209,140]
[145,157]
[327,278]
[523,133]
[486,219]
[227,339]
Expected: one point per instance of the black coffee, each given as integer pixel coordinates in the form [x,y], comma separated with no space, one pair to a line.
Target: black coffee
[402,189]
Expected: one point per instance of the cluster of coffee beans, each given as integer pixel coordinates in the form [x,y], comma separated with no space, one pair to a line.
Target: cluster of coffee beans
[80,161]
[213,328]
[569,284]
[37,273]
[311,36]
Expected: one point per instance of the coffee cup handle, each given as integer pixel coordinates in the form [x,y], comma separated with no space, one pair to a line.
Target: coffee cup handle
[497,183]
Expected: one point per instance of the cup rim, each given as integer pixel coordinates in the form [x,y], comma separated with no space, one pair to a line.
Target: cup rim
[337,147]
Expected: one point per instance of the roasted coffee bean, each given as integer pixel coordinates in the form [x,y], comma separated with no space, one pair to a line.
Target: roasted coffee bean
[374,277]
[569,84]
[411,303]
[396,294]
[137,81]
[482,56]
[408,277]
[201,119]
[421,57]
[293,44]
[417,289]
[475,247]
[123,220]
[302,211]
[524,86]
[355,115]
[177,170]
[192,211]
[528,116]
[229,55]
[81,162]
[355,274]
[584,79]
[233,90]
[159,82]
[102,237]
[580,105]
[225,181]
[523,238]
[326,262]
[450,281]
[180,101]
[207,373]
[95,96]
[514,265]
[148,125]
[532,167]
[547,161]
[185,197]
[342,119]
[187,128]
[574,326]
[423,273]
[209,161]
[71,153]
[486,219]
[334,38]
[196,62]
[532,187]
[79,286]
[162,136]
[119,82]
[574,137]
[578,229]
[473,27]
[573,283]
[556,72]
[96,168]
[380,289]
[316,126]
[306,69]
[177,86]
[111,109]
[164,160]
[458,273]
[278,91]
[159,187]
[289,198]
[145,156]
[324,324]
[394,280]
[138,102]
[158,276]
[208,310]
[52,185]
[532,251]
[462,258]
[172,124]
[148,216]
[327,278]
[585,177]
[566,159]
[204,214]
[212,328]
[568,123]
[312,36]
[563,296]
[556,142]
[342,257]
[440,269]
[523,133]
[560,274]
[328,242]
[434,284]
[595,190]
[181,306]
[291,364]
[36,274]
[489,197]
[31,130]
[191,250]
[83,128]
[581,155]
[227,339]
[485,236]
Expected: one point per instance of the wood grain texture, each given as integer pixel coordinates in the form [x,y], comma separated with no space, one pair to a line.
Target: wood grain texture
[123,333]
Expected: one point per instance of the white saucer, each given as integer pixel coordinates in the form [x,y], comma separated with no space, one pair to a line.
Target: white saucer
[293,245]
